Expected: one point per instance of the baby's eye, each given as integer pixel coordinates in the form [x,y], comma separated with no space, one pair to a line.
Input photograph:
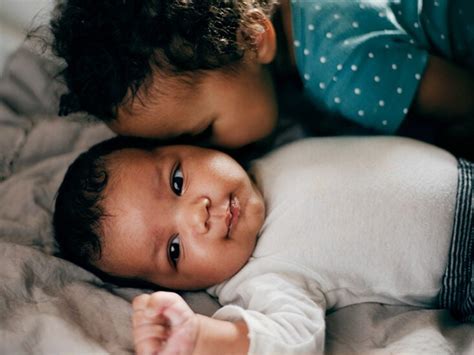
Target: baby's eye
[173,250]
[177,180]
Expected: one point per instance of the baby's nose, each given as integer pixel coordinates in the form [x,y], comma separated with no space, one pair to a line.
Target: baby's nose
[198,217]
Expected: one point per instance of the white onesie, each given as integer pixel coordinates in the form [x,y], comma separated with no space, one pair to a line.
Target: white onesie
[349,220]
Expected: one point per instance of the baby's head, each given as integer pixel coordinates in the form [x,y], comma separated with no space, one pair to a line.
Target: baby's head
[163,68]
[179,216]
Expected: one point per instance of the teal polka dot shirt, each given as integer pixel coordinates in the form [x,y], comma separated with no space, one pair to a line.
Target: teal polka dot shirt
[364,59]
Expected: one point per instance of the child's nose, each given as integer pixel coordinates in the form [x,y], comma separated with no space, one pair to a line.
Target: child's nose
[198,215]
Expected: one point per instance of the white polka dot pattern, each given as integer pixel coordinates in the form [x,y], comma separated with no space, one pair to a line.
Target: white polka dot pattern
[349,47]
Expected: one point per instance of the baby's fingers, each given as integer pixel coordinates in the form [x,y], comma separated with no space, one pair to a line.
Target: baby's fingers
[140,303]
[149,346]
[171,305]
[163,322]
[141,318]
[151,332]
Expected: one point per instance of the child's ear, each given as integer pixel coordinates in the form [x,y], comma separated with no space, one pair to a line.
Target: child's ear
[266,42]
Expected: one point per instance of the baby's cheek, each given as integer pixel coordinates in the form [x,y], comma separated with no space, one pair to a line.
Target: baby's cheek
[233,259]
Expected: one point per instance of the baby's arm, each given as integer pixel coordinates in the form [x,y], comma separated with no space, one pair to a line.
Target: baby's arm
[163,323]
[446,91]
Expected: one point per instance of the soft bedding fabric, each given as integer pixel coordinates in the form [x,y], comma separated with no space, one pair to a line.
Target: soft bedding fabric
[48,305]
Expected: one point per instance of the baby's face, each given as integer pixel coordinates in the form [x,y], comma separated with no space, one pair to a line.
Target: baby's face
[238,108]
[181,217]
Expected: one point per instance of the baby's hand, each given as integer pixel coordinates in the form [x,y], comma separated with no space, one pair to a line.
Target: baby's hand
[163,323]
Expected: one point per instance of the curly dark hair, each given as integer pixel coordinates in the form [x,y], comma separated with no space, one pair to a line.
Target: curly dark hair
[111,47]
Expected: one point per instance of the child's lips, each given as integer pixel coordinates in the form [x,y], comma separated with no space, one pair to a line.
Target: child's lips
[233,213]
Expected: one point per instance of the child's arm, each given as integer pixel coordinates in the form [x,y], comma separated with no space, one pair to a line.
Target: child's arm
[164,323]
[446,92]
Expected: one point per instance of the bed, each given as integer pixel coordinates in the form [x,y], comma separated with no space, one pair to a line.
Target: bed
[49,305]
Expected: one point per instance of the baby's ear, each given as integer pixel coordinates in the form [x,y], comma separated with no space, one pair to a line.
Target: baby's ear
[264,37]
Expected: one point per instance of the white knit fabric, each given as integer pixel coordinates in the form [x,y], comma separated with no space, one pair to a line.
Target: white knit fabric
[349,220]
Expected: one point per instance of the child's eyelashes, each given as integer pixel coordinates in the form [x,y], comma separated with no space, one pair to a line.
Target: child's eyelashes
[174,250]
[177,180]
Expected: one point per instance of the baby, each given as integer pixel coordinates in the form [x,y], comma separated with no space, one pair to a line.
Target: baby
[317,225]
[163,68]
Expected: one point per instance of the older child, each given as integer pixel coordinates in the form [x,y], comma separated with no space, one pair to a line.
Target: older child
[162,68]
[346,221]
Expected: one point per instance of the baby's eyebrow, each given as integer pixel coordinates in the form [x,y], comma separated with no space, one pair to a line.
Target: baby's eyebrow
[158,236]
[159,241]
[155,249]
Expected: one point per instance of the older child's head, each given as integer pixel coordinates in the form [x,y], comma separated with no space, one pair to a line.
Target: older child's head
[182,217]
[162,68]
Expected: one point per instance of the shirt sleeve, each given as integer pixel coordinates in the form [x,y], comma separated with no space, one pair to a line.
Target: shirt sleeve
[357,62]
[282,318]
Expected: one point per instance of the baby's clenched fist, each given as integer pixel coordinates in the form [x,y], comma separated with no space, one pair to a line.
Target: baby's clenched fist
[163,323]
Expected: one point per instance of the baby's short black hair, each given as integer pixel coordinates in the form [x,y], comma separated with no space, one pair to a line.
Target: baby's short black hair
[112,46]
